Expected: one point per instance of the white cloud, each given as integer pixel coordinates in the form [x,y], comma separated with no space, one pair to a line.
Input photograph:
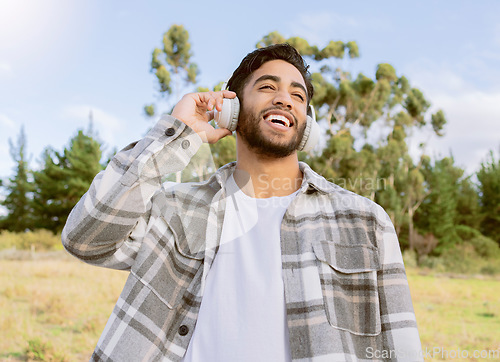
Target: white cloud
[473,115]
[317,27]
[5,121]
[105,123]
[435,79]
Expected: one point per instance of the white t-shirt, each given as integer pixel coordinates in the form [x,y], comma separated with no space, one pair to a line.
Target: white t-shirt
[242,315]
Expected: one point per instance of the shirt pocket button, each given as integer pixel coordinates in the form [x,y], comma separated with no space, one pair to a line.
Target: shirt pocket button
[183,330]
[170,131]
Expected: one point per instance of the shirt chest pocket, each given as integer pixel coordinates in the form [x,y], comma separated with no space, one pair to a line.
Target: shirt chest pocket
[348,276]
[169,264]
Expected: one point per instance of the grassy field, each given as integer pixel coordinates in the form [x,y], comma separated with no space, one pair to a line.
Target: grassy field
[55,310]
[456,314]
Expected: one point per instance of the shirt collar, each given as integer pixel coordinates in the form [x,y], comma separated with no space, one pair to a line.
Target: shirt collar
[311,181]
[314,182]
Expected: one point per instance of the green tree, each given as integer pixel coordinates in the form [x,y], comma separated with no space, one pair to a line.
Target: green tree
[172,64]
[468,204]
[349,105]
[224,151]
[63,180]
[19,189]
[50,204]
[438,212]
[489,185]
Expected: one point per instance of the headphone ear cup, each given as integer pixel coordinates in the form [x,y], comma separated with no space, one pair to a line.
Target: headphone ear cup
[311,133]
[228,116]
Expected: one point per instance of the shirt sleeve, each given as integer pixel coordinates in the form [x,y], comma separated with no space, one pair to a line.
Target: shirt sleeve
[107,225]
[400,336]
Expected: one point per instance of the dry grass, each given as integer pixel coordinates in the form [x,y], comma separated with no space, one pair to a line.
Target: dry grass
[55,310]
[456,313]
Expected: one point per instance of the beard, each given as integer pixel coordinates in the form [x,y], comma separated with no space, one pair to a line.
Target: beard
[249,128]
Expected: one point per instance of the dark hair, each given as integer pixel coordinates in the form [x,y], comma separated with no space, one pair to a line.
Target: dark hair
[257,58]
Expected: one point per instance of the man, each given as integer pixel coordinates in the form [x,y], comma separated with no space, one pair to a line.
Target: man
[265,261]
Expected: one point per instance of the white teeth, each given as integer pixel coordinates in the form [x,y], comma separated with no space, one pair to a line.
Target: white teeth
[278,118]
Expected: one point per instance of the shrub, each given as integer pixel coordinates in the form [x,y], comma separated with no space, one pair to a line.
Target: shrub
[39,350]
[462,258]
[39,239]
[466,232]
[432,262]
[424,245]
[8,240]
[410,258]
[485,247]
[490,268]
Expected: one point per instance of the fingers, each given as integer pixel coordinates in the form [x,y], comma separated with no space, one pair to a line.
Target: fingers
[211,115]
[197,109]
[211,102]
[215,99]
[228,94]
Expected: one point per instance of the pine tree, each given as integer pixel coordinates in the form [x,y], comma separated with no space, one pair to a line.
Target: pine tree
[468,204]
[63,180]
[19,189]
[438,213]
[489,180]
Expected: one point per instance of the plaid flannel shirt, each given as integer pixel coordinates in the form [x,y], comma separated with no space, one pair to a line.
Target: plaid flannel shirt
[346,292]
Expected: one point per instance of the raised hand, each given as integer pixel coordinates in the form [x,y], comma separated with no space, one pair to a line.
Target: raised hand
[197,109]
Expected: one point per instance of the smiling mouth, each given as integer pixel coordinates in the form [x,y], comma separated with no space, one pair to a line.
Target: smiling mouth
[278,119]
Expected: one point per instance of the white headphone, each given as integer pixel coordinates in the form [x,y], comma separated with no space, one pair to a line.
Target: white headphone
[228,118]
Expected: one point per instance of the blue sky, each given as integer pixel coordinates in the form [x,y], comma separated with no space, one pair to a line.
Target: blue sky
[60,59]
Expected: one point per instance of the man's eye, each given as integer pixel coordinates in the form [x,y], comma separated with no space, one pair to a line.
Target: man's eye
[299,96]
[266,87]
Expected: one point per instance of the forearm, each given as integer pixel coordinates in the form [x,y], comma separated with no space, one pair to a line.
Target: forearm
[399,328]
[107,225]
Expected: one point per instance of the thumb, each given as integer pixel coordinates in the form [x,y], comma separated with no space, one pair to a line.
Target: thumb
[219,133]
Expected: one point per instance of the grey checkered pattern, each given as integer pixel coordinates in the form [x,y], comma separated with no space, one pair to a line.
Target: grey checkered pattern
[346,293]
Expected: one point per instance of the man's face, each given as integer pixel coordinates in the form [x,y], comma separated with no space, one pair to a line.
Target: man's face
[274,110]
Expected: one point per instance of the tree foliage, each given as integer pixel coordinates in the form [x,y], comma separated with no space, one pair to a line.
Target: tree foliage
[63,179]
[427,200]
[368,120]
[172,64]
[19,189]
[438,213]
[489,185]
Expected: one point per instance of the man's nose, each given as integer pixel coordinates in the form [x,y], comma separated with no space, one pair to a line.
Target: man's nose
[283,99]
